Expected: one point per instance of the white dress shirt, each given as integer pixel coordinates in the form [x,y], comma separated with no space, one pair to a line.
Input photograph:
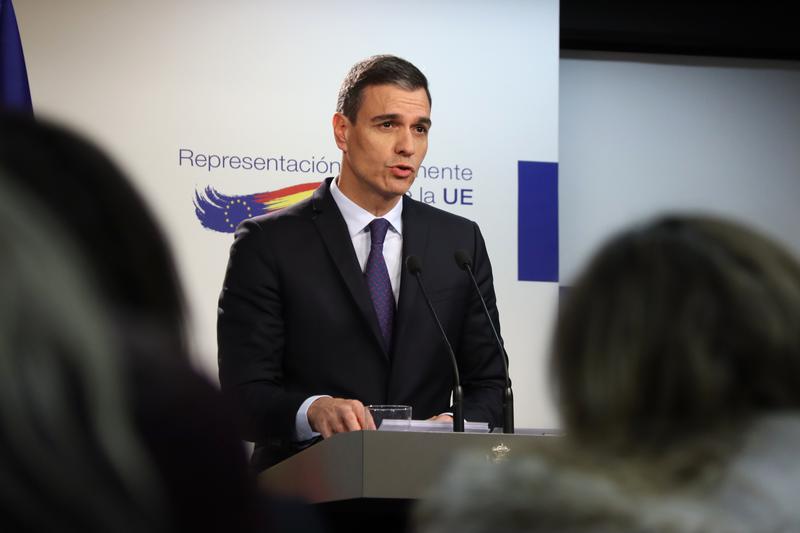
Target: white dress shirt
[358,220]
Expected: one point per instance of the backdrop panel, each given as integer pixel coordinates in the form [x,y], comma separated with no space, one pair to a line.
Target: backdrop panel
[223,110]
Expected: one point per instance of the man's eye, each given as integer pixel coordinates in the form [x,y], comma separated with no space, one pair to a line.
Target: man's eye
[422,129]
[386,124]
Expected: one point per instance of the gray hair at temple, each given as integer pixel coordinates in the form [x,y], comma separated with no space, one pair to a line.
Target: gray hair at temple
[70,456]
[377,70]
[685,325]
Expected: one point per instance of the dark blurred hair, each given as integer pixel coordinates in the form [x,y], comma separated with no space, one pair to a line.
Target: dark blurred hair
[377,70]
[71,456]
[684,325]
[129,260]
[102,421]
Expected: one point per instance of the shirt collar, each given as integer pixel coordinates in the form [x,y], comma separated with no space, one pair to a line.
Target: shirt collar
[357,218]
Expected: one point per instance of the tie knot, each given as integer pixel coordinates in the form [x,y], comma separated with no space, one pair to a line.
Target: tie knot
[377,231]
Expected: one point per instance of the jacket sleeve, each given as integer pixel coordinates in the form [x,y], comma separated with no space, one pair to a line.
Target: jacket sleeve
[251,338]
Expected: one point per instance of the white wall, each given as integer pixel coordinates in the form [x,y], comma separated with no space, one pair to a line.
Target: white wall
[638,134]
[146,78]
[643,134]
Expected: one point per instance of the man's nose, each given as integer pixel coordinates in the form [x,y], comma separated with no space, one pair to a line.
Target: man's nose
[404,143]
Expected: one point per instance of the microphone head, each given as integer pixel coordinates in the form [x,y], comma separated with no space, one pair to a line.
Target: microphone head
[413,264]
[462,259]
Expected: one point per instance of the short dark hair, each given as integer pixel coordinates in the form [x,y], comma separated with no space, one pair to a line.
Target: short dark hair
[678,328]
[377,70]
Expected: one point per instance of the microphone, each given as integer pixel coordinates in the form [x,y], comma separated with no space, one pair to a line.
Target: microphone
[414,266]
[464,262]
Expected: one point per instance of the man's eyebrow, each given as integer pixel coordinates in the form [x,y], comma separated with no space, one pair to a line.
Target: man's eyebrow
[394,116]
[384,118]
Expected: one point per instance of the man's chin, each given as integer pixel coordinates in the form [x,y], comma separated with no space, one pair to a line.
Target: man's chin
[400,186]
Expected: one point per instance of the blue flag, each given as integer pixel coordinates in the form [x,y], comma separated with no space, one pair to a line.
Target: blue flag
[15,94]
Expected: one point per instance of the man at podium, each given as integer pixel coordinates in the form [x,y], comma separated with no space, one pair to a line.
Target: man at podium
[318,315]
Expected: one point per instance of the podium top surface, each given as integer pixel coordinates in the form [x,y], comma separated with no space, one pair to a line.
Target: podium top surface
[384,464]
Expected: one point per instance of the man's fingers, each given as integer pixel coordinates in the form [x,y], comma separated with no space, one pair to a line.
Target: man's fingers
[322,429]
[325,432]
[369,422]
[358,410]
[335,427]
[352,415]
[350,421]
[329,416]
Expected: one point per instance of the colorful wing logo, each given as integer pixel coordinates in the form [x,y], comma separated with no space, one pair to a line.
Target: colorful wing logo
[223,213]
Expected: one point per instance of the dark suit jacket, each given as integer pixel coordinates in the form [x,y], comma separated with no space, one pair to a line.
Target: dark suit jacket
[296,319]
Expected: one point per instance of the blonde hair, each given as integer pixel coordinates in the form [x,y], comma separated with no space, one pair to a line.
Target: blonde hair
[678,327]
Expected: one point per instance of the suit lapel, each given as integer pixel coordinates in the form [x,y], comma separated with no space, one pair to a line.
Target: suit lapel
[415,242]
[333,231]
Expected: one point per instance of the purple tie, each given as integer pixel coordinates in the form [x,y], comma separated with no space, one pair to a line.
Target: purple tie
[377,275]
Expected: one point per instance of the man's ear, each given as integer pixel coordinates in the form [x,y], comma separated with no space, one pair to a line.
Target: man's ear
[341,130]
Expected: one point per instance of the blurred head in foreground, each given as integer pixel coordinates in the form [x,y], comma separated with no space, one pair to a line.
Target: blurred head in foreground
[677,366]
[70,454]
[677,328]
[128,260]
[103,424]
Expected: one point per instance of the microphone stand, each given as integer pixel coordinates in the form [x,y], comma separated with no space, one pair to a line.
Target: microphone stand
[465,263]
[414,266]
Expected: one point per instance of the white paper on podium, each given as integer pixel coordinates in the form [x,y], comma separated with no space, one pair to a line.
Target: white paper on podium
[540,432]
[431,426]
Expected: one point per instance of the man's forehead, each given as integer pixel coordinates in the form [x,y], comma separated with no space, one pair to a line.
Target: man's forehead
[394,100]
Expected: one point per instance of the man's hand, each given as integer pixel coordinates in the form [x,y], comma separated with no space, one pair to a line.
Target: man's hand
[441,418]
[328,416]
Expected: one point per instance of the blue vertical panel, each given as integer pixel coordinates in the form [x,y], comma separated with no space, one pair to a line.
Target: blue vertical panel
[537,221]
[14,91]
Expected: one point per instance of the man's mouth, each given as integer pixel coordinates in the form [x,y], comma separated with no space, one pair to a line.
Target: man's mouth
[402,171]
